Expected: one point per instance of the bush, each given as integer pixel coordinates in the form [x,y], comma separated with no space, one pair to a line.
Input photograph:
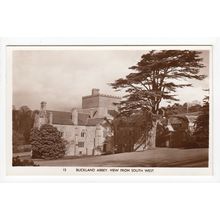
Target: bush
[47,143]
[18,162]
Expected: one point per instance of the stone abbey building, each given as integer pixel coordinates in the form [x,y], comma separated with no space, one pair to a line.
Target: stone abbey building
[85,129]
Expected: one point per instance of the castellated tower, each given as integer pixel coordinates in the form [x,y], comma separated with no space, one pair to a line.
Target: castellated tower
[99,104]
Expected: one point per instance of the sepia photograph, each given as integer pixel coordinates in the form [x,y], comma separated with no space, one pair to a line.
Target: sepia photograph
[111,108]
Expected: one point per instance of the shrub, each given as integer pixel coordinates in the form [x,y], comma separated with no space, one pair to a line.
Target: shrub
[18,162]
[47,143]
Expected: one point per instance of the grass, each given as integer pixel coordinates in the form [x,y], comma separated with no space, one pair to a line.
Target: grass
[160,157]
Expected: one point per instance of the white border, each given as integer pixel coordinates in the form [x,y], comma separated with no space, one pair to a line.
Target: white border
[53,41]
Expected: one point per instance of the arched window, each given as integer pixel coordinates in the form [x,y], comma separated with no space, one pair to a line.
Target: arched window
[83,133]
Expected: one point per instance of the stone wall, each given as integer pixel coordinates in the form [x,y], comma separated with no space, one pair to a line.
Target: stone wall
[90,102]
[107,101]
[100,101]
[82,140]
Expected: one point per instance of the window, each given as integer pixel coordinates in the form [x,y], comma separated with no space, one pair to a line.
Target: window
[62,134]
[81,144]
[83,133]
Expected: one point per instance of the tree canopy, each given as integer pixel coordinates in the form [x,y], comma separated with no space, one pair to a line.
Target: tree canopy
[156,77]
[23,120]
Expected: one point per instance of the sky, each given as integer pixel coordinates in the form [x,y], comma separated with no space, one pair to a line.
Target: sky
[62,77]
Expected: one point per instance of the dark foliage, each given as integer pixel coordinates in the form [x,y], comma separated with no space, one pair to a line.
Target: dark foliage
[151,79]
[18,162]
[128,130]
[177,108]
[23,120]
[201,133]
[47,143]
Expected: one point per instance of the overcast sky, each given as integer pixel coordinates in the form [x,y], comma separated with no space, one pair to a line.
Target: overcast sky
[62,77]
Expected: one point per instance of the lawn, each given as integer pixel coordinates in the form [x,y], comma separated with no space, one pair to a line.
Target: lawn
[160,157]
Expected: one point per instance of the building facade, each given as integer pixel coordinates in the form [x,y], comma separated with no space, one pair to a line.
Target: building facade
[85,129]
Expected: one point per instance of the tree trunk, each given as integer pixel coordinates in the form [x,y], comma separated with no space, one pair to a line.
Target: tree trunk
[151,137]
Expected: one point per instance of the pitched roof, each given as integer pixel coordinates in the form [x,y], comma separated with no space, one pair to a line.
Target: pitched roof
[62,118]
[94,121]
[83,118]
[65,118]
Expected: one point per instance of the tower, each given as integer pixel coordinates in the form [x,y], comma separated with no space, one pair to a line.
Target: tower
[41,118]
[43,110]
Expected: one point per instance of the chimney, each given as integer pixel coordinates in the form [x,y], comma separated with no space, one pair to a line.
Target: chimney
[43,106]
[75,116]
[43,110]
[50,118]
[95,92]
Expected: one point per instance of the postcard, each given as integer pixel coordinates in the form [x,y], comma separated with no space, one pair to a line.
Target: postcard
[109,110]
